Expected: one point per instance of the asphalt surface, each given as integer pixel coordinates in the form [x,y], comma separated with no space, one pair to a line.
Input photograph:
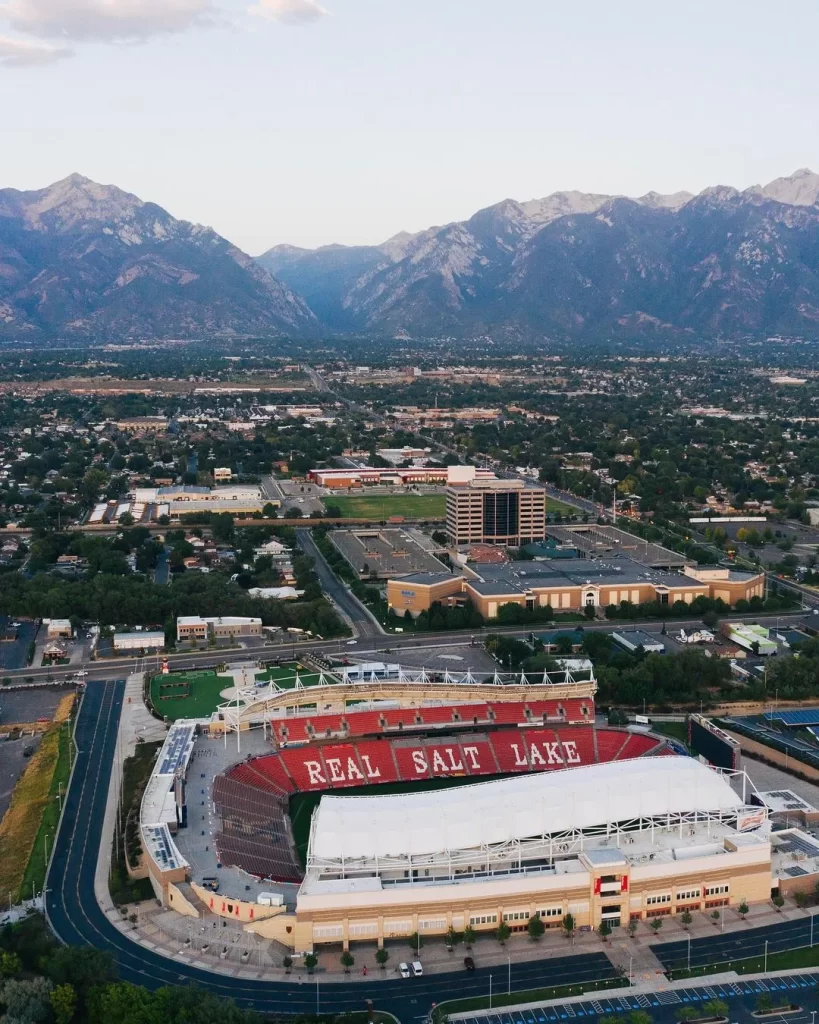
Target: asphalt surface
[77,919]
[365,625]
[723,947]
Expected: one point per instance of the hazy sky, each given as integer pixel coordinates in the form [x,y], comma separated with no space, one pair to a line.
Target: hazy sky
[348,120]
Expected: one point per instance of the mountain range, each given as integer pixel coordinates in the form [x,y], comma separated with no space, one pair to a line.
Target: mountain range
[78,259]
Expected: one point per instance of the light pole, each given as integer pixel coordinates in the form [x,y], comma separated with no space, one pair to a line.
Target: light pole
[509,985]
[45,843]
[317,995]
[765,969]
[688,936]
[490,991]
[811,931]
[630,970]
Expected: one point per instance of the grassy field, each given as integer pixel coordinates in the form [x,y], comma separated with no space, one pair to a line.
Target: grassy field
[285,675]
[302,805]
[553,506]
[203,688]
[787,960]
[535,995]
[382,506]
[34,809]
[674,730]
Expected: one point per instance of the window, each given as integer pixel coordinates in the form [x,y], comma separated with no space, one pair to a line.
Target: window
[662,898]
[721,902]
[662,912]
[364,928]
[716,890]
[688,894]
[330,931]
[551,912]
[517,915]
[484,919]
[431,924]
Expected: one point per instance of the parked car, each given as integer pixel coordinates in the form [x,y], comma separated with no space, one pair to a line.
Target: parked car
[403,970]
[417,969]
[469,963]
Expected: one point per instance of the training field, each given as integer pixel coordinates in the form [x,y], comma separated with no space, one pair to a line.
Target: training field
[188,694]
[198,694]
[382,506]
[302,805]
[554,506]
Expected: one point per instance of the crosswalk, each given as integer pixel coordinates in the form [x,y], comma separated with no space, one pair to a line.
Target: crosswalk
[643,1001]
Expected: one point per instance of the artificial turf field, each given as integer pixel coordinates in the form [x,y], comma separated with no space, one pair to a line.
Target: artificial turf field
[382,506]
[302,805]
[198,694]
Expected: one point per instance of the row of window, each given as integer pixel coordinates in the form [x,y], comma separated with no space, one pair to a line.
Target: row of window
[484,919]
[686,894]
[665,898]
[716,890]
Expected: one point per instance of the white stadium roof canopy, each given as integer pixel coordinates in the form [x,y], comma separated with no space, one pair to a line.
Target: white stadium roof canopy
[506,810]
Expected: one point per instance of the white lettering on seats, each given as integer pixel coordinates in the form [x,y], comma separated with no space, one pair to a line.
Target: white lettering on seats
[553,753]
[472,755]
[570,750]
[372,773]
[420,762]
[314,771]
[353,771]
[334,767]
[520,758]
[456,767]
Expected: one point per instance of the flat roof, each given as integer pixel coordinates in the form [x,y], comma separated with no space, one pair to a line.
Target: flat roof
[520,576]
[505,810]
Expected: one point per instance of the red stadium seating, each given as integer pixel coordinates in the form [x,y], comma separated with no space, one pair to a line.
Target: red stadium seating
[573,710]
[636,746]
[272,766]
[377,760]
[395,718]
[470,714]
[412,762]
[609,744]
[305,767]
[479,758]
[447,759]
[325,726]
[577,743]
[294,730]
[508,713]
[510,750]
[363,723]
[437,716]
[341,765]
[248,774]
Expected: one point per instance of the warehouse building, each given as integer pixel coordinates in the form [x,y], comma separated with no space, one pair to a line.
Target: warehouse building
[193,627]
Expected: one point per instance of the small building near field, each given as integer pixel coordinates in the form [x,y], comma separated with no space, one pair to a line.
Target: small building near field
[634,639]
[139,641]
[193,627]
[56,628]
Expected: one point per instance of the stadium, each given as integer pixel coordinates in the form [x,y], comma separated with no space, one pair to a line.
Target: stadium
[403,804]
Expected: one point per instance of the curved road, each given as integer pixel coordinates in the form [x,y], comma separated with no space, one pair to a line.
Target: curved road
[77,919]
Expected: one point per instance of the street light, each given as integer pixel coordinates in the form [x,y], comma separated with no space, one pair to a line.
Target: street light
[45,843]
[509,986]
[490,991]
[765,969]
[688,936]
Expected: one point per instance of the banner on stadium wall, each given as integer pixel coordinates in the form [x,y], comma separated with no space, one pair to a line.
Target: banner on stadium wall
[751,819]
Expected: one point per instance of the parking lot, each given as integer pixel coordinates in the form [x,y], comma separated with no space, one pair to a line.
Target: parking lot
[14,653]
[19,706]
[12,763]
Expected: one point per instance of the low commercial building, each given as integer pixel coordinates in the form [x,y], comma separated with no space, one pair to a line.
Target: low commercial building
[753,637]
[139,641]
[564,585]
[194,627]
[222,474]
[633,639]
[56,628]
[179,500]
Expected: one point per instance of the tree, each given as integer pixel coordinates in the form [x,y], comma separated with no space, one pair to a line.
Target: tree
[9,965]
[503,932]
[469,936]
[764,1003]
[632,927]
[311,962]
[347,960]
[686,919]
[639,1017]
[381,957]
[569,925]
[801,900]
[779,903]
[716,1008]
[27,1002]
[63,1003]
[657,924]
[452,938]
[287,962]
[686,1013]
[604,930]
[536,927]
[743,909]
[715,916]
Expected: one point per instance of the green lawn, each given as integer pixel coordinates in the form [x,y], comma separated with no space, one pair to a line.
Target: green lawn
[553,506]
[535,995]
[787,960]
[285,676]
[204,694]
[674,730]
[382,506]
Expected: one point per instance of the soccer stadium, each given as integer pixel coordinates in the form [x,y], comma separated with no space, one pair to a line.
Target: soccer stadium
[375,809]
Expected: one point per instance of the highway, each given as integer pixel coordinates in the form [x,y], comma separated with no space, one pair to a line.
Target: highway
[76,918]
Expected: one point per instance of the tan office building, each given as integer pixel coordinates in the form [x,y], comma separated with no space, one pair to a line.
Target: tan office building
[485,510]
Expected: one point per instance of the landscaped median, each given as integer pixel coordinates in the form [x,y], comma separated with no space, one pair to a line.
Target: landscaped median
[30,822]
[535,995]
[787,960]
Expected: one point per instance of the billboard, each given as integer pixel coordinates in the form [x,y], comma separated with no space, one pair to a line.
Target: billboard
[710,742]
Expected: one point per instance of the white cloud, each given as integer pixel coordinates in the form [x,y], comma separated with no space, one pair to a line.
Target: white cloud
[20,53]
[289,12]
[109,20]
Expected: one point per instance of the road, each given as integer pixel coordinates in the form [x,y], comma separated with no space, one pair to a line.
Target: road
[365,624]
[77,919]
[372,643]
[723,947]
